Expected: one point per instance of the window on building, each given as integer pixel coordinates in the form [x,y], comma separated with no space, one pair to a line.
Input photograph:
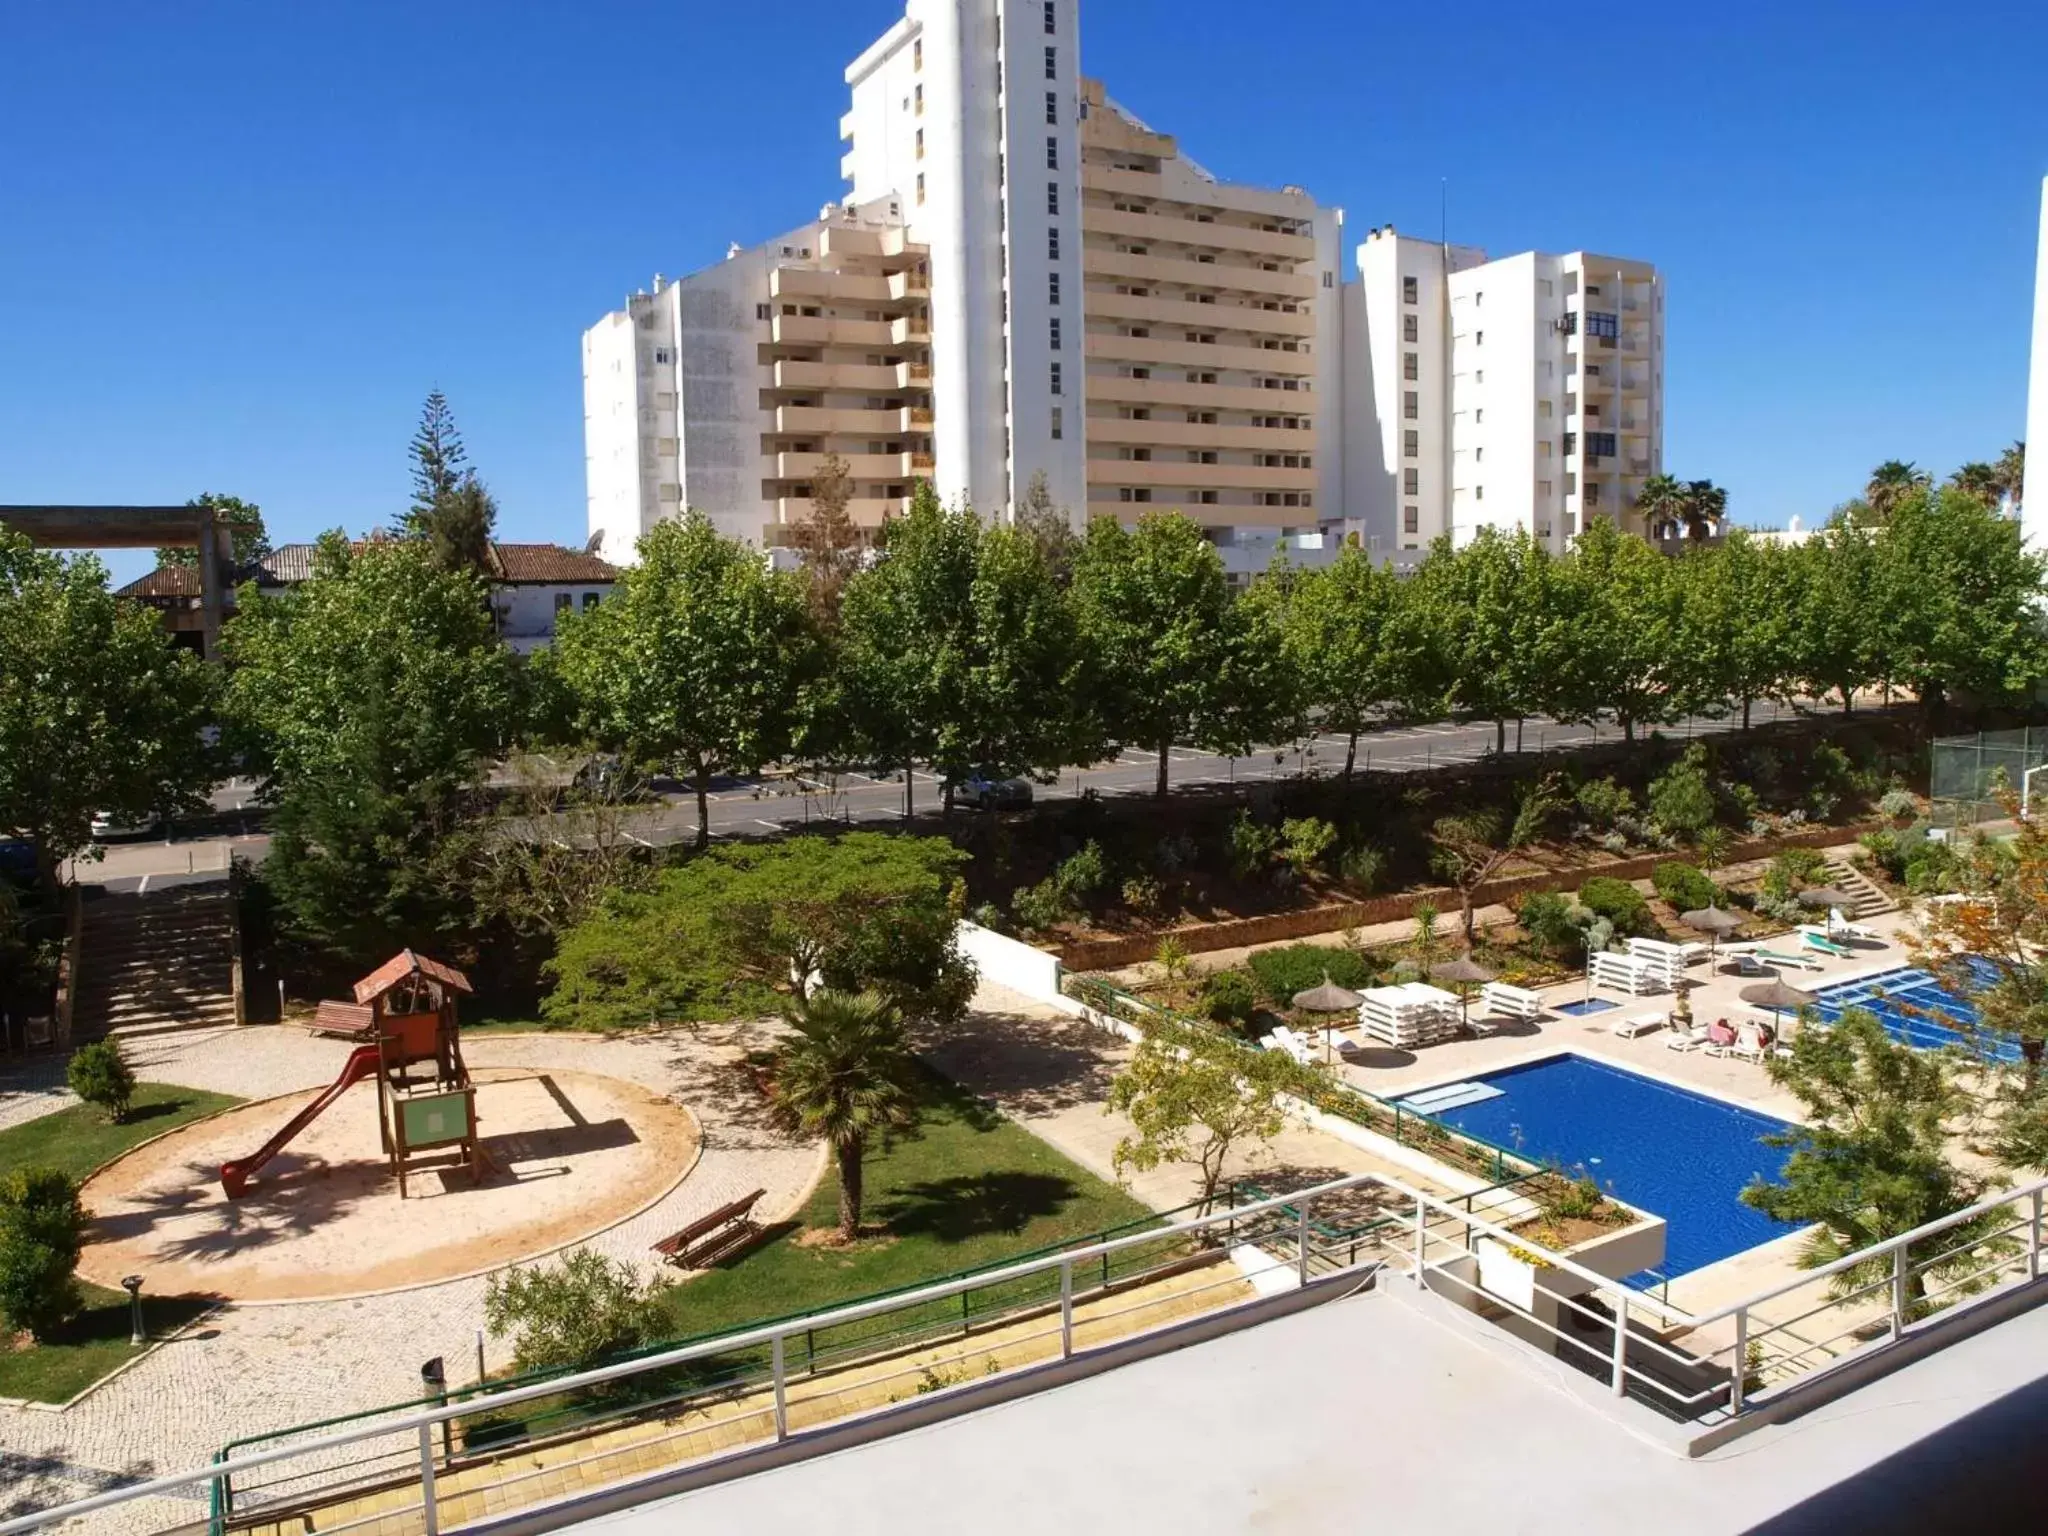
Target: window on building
[590,600]
[1052,287]
[1411,519]
[1479,493]
[1052,107]
[1543,408]
[1205,498]
[1408,294]
[1479,338]
[1592,493]
[1051,19]
[763,311]
[1411,365]
[918,97]
[1055,378]
[1411,405]
[1411,482]
[1052,198]
[917,54]
[1599,445]
[1478,375]
[1411,328]
[1052,152]
[1053,332]
[1478,454]
[1134,493]
[1599,323]
[1411,443]
[1057,418]
[920,186]
[920,143]
[1479,416]
[1052,243]
[564,602]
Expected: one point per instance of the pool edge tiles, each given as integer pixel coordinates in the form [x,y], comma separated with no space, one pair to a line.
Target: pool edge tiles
[1667,1148]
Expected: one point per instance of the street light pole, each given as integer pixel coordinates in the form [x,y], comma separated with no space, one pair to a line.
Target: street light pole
[132,1284]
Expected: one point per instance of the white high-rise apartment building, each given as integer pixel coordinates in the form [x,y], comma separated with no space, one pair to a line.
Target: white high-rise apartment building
[1525,392]
[1025,280]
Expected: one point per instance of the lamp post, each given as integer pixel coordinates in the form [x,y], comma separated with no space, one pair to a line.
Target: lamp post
[132,1284]
[434,1377]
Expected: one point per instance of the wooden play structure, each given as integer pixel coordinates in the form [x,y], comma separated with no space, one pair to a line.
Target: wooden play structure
[404,1012]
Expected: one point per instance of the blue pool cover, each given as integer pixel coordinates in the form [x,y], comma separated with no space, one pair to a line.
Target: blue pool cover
[1916,1008]
[1666,1150]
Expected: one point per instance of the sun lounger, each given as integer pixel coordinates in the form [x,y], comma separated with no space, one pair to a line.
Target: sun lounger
[1686,1039]
[1285,1039]
[1641,1024]
[1839,927]
[1814,939]
[1749,1044]
[1783,957]
[1510,1001]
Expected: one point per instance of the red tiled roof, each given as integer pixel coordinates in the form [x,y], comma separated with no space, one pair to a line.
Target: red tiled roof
[164,581]
[548,563]
[408,963]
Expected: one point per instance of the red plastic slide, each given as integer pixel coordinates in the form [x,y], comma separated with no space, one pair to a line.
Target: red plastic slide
[234,1177]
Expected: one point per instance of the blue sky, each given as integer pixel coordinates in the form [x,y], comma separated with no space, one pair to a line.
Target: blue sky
[240,242]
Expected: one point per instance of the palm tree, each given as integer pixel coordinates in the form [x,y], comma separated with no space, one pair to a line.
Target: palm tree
[1977,480]
[1703,507]
[1661,500]
[1891,483]
[846,1075]
[2010,470]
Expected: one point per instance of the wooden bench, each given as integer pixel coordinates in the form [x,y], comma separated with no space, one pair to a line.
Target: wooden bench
[349,1021]
[723,1234]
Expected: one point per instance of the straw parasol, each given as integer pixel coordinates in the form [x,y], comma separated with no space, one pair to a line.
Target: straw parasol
[1462,972]
[1327,998]
[1776,996]
[1715,923]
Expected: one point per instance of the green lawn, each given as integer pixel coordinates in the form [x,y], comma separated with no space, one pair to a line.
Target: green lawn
[971,1189]
[78,1140]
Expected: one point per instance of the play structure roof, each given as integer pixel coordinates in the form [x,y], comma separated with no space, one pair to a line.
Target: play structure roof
[407,963]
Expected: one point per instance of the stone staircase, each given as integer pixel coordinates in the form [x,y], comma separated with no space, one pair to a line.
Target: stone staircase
[155,961]
[1871,900]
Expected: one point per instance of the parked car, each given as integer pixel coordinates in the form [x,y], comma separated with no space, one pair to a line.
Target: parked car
[985,792]
[611,779]
[113,826]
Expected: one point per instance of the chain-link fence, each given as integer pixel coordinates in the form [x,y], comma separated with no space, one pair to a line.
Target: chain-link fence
[1968,772]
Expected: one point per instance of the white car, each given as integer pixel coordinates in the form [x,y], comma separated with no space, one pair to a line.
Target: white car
[987,793]
[112,826]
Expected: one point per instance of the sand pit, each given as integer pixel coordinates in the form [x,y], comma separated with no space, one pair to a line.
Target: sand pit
[569,1154]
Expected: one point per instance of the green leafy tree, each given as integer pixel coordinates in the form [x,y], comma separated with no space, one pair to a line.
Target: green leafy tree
[699,659]
[97,711]
[845,1075]
[1738,625]
[735,929]
[1470,849]
[1839,645]
[1682,797]
[1629,605]
[1193,1108]
[1049,527]
[370,696]
[248,540]
[1494,616]
[1174,659]
[1872,1160]
[42,1227]
[1349,643]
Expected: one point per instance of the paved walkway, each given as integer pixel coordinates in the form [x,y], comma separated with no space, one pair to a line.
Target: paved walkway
[252,1368]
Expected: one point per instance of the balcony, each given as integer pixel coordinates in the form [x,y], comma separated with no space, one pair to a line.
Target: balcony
[858,240]
[794,373]
[827,331]
[861,466]
[909,328]
[1103,261]
[1103,501]
[1256,201]
[1222,315]
[907,285]
[816,283]
[1178,353]
[830,421]
[1192,434]
[1097,220]
[1206,477]
[868,511]
[1218,397]
[1104,129]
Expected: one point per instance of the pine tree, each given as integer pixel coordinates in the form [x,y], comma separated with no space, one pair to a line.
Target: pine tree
[439,462]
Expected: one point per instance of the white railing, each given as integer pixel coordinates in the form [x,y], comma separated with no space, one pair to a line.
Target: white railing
[1425,1237]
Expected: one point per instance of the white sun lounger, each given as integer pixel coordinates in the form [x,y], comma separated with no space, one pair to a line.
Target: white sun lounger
[1641,1024]
[1686,1040]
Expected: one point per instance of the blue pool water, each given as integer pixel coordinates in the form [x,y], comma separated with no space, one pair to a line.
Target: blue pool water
[1674,1153]
[1915,1007]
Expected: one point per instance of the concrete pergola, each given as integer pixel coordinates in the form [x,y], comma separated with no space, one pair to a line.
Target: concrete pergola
[138,528]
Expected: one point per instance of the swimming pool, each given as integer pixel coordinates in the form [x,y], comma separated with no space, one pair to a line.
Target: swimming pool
[1674,1153]
[1916,1008]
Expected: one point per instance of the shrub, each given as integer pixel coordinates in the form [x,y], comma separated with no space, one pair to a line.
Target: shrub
[575,1313]
[1141,893]
[1041,906]
[1617,901]
[1174,854]
[1603,802]
[1682,798]
[100,1075]
[990,916]
[1425,926]
[1307,842]
[1363,867]
[1898,804]
[1546,917]
[1829,770]
[1251,845]
[1171,957]
[1792,872]
[1684,887]
[1229,997]
[42,1226]
[1296,967]
[1080,875]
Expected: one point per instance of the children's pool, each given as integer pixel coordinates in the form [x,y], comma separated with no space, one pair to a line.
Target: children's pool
[1681,1155]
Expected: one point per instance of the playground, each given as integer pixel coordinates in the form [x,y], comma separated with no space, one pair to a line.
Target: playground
[563,1155]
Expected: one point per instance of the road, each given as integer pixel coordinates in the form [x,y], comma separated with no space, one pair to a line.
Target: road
[756,806]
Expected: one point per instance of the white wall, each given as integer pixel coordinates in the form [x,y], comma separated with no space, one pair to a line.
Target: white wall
[611,440]
[526,612]
[719,381]
[1504,356]
[1010,963]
